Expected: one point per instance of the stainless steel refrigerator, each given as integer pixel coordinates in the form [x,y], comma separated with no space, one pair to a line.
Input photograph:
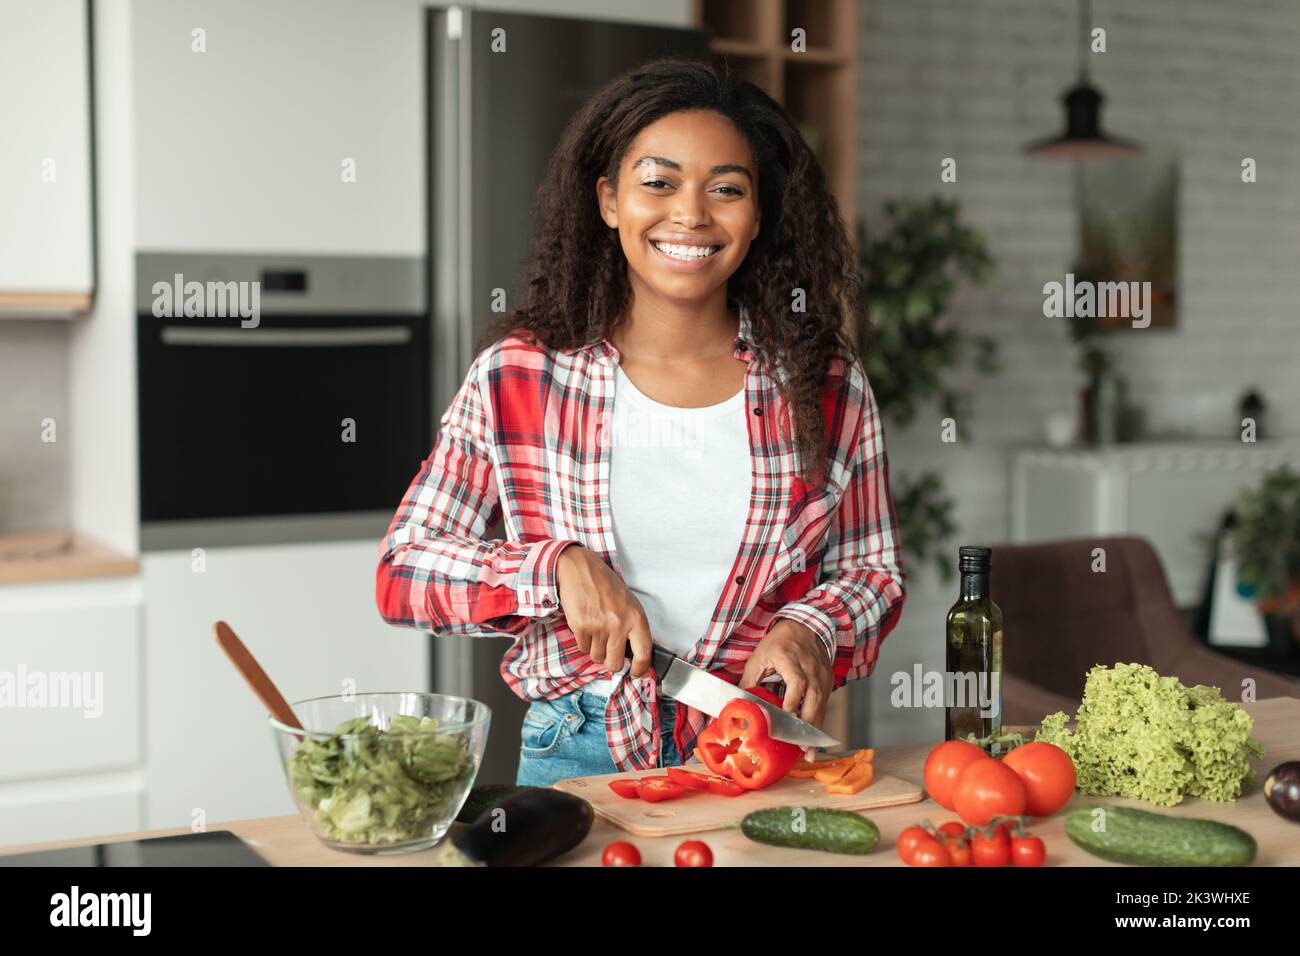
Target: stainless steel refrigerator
[493,120]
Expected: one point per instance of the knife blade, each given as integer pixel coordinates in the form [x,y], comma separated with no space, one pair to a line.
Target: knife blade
[699,689]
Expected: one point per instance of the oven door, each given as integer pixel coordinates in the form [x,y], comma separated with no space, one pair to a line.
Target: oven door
[305,414]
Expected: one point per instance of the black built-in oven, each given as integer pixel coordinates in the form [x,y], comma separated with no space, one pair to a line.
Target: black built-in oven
[280,385]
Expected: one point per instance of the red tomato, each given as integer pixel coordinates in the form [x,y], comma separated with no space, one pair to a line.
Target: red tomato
[620,853]
[953,829]
[930,852]
[944,766]
[624,788]
[987,788]
[908,841]
[1027,851]
[693,853]
[1047,773]
[658,789]
[690,779]
[994,850]
[725,788]
[954,838]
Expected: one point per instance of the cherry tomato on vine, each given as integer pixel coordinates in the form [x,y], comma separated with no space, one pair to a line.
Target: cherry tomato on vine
[930,852]
[994,850]
[1027,851]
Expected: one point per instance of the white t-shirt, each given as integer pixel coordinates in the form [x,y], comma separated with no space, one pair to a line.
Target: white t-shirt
[680,481]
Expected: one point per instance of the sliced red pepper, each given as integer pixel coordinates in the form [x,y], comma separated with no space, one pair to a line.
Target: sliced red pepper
[689,779]
[725,788]
[624,788]
[737,745]
[658,789]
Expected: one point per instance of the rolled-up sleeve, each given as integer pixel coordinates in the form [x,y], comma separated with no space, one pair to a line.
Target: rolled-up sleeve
[861,584]
[436,572]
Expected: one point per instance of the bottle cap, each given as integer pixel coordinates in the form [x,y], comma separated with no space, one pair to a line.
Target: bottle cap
[974,558]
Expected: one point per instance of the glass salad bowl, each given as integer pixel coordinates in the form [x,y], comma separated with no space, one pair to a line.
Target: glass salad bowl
[382,773]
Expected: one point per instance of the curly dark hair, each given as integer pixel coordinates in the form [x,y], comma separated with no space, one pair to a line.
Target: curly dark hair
[576,295]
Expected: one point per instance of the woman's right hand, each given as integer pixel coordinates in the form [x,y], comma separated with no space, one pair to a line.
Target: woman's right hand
[604,616]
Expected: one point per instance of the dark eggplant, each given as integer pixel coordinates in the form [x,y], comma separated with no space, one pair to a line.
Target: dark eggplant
[1282,790]
[483,798]
[528,829]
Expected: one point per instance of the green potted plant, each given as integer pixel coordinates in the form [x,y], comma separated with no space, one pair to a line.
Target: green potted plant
[911,270]
[1266,540]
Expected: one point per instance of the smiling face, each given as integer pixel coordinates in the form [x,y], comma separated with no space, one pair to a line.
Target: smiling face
[686,206]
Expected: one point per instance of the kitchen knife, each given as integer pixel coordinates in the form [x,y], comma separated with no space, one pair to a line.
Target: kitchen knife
[699,689]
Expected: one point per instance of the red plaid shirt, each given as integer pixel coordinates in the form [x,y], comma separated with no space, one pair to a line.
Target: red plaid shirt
[522,440]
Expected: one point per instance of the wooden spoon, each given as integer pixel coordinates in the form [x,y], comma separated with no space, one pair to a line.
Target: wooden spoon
[262,685]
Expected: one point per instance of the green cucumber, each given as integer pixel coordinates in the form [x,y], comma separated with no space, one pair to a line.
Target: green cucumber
[811,828]
[1125,835]
[484,798]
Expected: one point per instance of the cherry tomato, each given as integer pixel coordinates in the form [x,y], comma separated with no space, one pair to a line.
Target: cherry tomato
[1047,773]
[1027,851]
[944,766]
[624,788]
[994,850]
[988,788]
[954,838]
[930,852]
[620,853]
[693,853]
[690,779]
[907,842]
[658,789]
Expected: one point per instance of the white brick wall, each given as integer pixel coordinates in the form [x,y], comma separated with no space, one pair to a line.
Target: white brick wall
[976,81]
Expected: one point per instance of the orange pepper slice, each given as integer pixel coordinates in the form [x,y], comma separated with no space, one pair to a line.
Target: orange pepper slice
[857,779]
[809,768]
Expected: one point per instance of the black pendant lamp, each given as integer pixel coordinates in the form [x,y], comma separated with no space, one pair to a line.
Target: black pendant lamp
[1083,138]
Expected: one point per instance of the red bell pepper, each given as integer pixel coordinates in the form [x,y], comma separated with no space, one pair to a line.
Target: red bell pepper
[657,789]
[737,745]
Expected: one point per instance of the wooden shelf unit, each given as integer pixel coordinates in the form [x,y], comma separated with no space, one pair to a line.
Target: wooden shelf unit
[817,84]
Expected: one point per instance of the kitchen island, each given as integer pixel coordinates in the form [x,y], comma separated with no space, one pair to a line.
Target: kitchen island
[286,841]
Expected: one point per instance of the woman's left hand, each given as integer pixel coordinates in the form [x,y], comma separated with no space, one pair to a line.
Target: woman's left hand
[798,656]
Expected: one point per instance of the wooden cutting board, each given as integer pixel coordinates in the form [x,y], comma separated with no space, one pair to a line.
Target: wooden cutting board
[696,811]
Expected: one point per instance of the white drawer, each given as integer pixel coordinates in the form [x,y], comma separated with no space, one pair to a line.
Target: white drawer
[86,660]
[70,809]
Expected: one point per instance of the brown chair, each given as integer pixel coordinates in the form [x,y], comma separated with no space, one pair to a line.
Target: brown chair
[1060,618]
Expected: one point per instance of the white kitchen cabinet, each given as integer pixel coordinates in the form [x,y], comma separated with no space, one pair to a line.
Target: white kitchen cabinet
[294,126]
[307,613]
[46,252]
[88,660]
[70,765]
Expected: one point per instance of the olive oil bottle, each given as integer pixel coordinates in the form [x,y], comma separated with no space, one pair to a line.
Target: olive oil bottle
[973,678]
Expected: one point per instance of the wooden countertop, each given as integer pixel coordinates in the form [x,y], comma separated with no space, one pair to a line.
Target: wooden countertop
[59,556]
[286,841]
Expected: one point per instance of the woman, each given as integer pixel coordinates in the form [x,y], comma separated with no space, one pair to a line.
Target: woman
[691,280]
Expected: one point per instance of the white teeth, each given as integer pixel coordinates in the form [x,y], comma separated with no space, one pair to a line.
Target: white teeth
[685,252]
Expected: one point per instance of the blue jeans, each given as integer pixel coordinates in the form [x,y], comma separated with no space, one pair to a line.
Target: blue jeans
[565,738]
